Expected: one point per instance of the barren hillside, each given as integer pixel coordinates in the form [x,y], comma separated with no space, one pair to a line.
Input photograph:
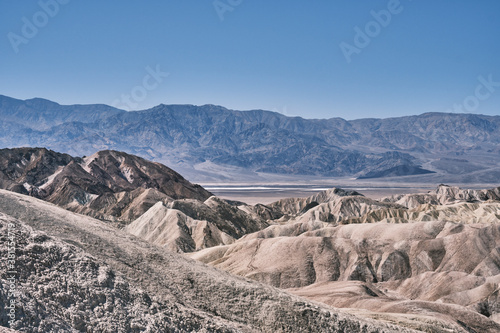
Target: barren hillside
[78,274]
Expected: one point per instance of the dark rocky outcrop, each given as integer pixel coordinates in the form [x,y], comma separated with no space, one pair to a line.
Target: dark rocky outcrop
[109,185]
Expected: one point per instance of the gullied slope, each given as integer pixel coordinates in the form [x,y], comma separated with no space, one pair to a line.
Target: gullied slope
[75,271]
[345,207]
[109,185]
[190,225]
[387,262]
[435,260]
[333,205]
[460,212]
[293,206]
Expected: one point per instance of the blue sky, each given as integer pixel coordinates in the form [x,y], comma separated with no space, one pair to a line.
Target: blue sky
[277,55]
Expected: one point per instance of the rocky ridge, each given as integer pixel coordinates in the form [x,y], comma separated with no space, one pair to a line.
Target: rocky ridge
[160,204]
[109,185]
[191,225]
[445,195]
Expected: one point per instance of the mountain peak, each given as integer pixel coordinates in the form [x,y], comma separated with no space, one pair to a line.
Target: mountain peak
[109,184]
[38,100]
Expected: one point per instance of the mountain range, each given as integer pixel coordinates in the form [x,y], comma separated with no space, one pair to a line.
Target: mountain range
[212,143]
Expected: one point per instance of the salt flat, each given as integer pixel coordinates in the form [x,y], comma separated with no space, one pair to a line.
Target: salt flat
[271,192]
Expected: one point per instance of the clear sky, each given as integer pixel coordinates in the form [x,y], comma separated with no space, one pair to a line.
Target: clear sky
[315,59]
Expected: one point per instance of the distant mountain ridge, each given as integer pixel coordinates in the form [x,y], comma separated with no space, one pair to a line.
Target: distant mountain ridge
[213,143]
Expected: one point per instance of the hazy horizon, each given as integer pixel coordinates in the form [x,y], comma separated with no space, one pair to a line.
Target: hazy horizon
[250,110]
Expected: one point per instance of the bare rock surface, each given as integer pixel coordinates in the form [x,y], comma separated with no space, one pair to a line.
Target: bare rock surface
[190,225]
[348,211]
[342,209]
[7,330]
[108,185]
[78,274]
[63,288]
[347,207]
[121,188]
[411,267]
[423,259]
[298,205]
[332,205]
